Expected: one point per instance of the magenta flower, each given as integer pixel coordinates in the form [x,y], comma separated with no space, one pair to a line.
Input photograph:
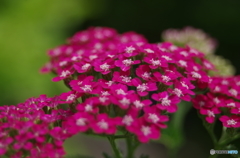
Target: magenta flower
[146,132]
[126,63]
[144,88]
[139,104]
[89,106]
[155,62]
[123,77]
[230,122]
[129,50]
[152,115]
[104,66]
[84,84]
[104,124]
[69,97]
[167,78]
[166,102]
[144,72]
[83,67]
[62,75]
[79,122]
[202,101]
[210,118]
[120,90]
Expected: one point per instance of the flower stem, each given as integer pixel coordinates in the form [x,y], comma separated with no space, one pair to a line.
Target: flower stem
[131,146]
[114,147]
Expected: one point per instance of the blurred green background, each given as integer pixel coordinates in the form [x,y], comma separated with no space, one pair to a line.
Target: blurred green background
[28,28]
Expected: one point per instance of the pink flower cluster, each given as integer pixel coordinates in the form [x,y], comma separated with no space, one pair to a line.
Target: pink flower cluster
[120,82]
[28,129]
[223,98]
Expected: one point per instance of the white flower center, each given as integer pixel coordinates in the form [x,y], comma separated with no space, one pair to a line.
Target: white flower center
[138,104]
[87,88]
[178,92]
[81,122]
[225,82]
[210,113]
[195,68]
[196,75]
[142,87]
[88,108]
[184,53]
[155,62]
[216,100]
[149,50]
[105,93]
[146,130]
[103,124]
[103,99]
[91,57]
[183,63]
[105,67]
[153,117]
[146,74]
[129,49]
[65,73]
[127,62]
[166,57]
[109,83]
[71,97]
[120,91]
[85,66]
[231,104]
[184,85]
[126,79]
[127,120]
[172,48]
[63,63]
[165,101]
[233,92]
[97,46]
[165,78]
[231,122]
[125,101]
[217,89]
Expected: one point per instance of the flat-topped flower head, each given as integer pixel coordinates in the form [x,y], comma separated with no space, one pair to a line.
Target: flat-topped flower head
[122,82]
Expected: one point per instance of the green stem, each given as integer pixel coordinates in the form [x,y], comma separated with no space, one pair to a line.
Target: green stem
[129,148]
[212,135]
[114,147]
[132,144]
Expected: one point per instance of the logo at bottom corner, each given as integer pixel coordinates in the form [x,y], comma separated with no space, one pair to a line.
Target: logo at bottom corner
[212,151]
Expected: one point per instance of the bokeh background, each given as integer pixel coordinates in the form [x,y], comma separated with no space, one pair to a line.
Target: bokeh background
[28,28]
